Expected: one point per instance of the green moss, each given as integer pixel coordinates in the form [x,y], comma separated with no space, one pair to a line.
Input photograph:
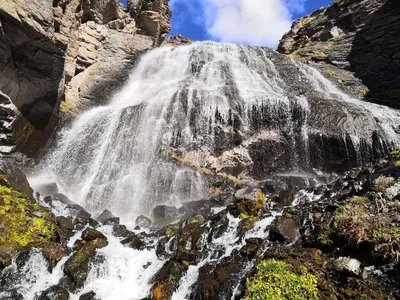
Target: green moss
[395,155]
[364,92]
[22,222]
[276,280]
[330,73]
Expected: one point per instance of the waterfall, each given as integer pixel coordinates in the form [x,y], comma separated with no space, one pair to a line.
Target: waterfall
[237,110]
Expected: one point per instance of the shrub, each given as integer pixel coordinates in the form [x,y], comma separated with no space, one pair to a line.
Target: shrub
[276,280]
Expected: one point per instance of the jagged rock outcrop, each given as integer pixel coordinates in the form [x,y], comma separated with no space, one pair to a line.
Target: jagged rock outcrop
[359,36]
[57,57]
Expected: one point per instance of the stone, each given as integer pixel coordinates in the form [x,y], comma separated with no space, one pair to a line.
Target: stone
[357,36]
[112,221]
[164,214]
[55,293]
[88,296]
[77,266]
[285,229]
[104,216]
[349,265]
[133,242]
[56,57]
[143,222]
[90,234]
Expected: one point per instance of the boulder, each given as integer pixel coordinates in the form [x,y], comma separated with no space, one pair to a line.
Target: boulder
[285,229]
[55,292]
[88,296]
[104,216]
[143,222]
[77,266]
[348,265]
[163,214]
[90,234]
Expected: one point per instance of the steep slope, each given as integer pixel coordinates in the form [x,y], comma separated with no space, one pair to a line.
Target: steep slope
[358,36]
[60,56]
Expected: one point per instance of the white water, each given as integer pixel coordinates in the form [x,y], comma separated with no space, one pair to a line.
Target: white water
[113,157]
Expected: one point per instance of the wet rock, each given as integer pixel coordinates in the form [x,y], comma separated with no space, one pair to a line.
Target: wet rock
[133,242]
[13,295]
[55,293]
[82,218]
[285,229]
[77,266]
[199,220]
[246,224]
[104,216]
[217,279]
[122,231]
[12,176]
[348,265]
[219,225]
[88,296]
[143,222]
[112,221]
[161,250]
[65,226]
[164,214]
[250,202]
[54,252]
[167,279]
[90,234]
[5,261]
[63,199]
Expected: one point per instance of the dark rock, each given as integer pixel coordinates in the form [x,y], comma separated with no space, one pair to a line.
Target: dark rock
[143,222]
[54,293]
[133,242]
[65,223]
[163,214]
[90,234]
[63,199]
[122,231]
[88,296]
[285,229]
[77,266]
[112,221]
[13,177]
[54,252]
[104,216]
[5,261]
[217,279]
[167,279]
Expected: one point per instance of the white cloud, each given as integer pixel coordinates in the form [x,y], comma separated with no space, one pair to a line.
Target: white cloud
[252,22]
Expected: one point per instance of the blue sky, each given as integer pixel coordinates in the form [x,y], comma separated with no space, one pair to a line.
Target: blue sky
[251,22]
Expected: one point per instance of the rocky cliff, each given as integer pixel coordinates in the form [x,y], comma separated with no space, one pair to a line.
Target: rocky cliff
[57,57]
[357,36]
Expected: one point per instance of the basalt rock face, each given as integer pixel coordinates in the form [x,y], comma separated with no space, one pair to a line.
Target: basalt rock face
[57,57]
[358,36]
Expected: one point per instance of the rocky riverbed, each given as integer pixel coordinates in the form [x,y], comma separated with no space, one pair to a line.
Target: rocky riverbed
[339,240]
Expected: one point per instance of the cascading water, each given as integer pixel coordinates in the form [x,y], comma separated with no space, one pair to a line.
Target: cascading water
[219,106]
[203,108]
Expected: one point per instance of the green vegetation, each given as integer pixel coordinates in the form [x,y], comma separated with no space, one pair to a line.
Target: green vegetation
[276,280]
[22,223]
[330,73]
[395,155]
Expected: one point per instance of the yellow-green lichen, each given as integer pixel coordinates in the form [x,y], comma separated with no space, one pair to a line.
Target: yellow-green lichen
[23,223]
[277,280]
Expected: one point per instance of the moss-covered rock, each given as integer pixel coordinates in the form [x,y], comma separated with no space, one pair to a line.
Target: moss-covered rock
[23,222]
[277,280]
[77,266]
[167,280]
